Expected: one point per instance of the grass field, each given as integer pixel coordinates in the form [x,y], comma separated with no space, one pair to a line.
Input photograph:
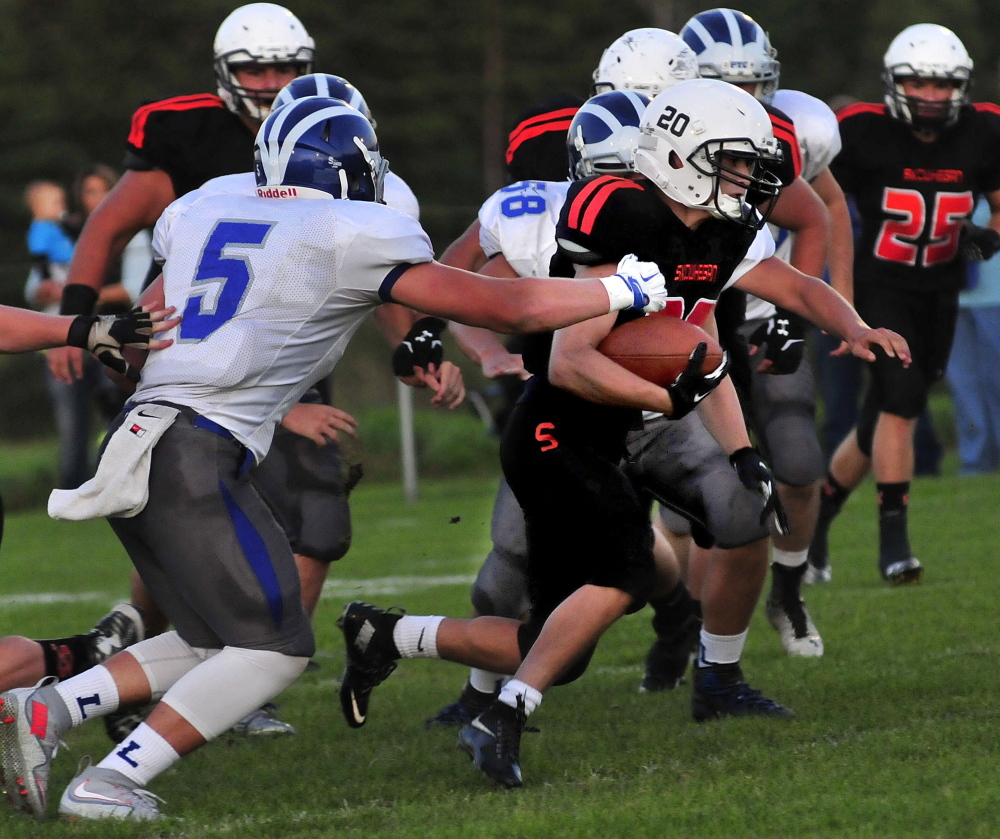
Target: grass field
[896,736]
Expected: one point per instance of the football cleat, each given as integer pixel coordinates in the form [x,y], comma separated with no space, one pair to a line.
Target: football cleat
[720,691]
[97,793]
[371,656]
[903,572]
[263,723]
[493,741]
[120,628]
[667,660]
[799,635]
[464,710]
[31,722]
[817,574]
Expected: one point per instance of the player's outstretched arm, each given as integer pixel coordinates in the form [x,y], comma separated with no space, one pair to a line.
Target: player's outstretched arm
[800,211]
[530,304]
[778,282]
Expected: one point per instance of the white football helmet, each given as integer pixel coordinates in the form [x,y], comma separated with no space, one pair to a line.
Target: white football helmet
[926,51]
[733,47]
[259,33]
[687,129]
[647,61]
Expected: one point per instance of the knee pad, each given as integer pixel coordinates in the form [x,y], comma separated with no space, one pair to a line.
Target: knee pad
[501,587]
[527,634]
[222,690]
[164,659]
[795,455]
[325,530]
[734,516]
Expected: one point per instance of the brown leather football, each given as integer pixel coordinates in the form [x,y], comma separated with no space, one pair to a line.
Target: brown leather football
[657,347]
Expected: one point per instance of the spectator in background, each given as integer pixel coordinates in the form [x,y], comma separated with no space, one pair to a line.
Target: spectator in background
[974,366]
[51,239]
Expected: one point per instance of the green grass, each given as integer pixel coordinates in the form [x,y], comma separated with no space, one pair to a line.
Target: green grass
[896,734]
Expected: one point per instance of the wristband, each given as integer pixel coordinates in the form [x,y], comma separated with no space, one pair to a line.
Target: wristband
[619,293]
[78,299]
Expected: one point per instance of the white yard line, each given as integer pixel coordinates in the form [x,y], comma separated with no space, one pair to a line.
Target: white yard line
[391,585]
[46,598]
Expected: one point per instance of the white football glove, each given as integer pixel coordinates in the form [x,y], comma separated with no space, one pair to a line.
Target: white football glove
[638,286]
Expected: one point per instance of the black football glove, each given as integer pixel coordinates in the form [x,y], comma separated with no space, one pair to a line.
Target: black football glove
[755,476]
[978,244]
[105,336]
[785,339]
[420,348]
[691,386]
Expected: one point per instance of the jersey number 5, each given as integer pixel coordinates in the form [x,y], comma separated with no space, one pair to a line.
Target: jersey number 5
[228,276]
[897,239]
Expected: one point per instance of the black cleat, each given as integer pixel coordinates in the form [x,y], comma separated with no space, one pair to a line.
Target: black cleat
[720,691]
[678,626]
[371,656]
[902,572]
[120,628]
[464,710]
[493,741]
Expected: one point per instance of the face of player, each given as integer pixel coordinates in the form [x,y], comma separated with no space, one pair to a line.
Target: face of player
[92,192]
[929,98]
[735,179]
[265,78]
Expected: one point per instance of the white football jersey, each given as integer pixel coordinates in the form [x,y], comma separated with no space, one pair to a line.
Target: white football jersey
[819,141]
[397,193]
[519,221]
[271,291]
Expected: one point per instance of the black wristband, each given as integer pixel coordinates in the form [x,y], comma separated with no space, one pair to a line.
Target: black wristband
[79,331]
[78,299]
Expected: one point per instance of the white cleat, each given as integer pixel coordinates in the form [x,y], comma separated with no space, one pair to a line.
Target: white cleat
[799,635]
[815,575]
[105,794]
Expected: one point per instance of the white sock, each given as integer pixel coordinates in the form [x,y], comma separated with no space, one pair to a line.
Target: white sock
[416,636]
[721,649]
[91,694]
[486,681]
[790,559]
[141,756]
[515,688]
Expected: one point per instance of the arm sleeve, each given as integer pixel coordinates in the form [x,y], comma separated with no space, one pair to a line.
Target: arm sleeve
[760,249]
[489,225]
[136,258]
[371,260]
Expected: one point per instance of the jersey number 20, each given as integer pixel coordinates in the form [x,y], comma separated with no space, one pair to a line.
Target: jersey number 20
[897,239]
[231,274]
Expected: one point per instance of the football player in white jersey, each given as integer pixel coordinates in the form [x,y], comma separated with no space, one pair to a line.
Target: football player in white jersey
[733,47]
[271,286]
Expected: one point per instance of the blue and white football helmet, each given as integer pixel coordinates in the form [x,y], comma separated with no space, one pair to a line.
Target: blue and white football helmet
[321,144]
[603,135]
[324,84]
[732,46]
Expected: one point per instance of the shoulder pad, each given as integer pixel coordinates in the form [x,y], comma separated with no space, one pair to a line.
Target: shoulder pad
[177,104]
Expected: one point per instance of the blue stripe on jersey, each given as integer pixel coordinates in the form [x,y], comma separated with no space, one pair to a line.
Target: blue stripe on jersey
[256,553]
[385,289]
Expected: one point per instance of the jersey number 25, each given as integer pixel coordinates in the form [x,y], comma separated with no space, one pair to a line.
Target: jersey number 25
[897,239]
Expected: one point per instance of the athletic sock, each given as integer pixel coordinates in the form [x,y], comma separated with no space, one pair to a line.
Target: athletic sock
[672,610]
[416,636]
[141,756]
[786,581]
[831,500]
[894,539]
[485,682]
[91,694]
[514,689]
[720,649]
[65,657]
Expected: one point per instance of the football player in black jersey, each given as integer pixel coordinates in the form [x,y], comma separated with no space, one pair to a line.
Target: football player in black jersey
[915,166]
[701,146]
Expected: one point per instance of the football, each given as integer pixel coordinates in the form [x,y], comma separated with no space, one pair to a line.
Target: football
[657,347]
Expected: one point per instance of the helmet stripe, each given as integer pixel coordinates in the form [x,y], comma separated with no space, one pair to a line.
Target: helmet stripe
[137,132]
[524,134]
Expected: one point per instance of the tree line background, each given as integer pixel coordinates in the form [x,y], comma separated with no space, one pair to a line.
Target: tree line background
[445,80]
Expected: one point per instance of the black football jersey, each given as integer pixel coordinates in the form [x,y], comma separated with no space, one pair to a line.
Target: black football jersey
[790,165]
[191,138]
[912,196]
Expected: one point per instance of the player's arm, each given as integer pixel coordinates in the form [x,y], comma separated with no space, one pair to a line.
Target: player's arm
[720,411]
[465,252]
[22,330]
[530,304]
[800,211]
[993,199]
[481,345]
[135,202]
[840,253]
[780,283]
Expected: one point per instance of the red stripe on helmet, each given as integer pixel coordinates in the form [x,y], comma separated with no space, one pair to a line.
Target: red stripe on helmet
[524,132]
